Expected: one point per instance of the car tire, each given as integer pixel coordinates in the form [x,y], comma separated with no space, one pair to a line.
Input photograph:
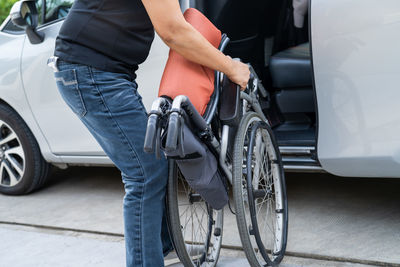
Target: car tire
[22,166]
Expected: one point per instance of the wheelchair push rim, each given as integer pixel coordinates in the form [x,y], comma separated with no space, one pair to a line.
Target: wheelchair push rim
[195,227]
[260,194]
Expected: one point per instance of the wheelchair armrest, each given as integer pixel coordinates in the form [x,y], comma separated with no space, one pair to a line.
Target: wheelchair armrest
[230,104]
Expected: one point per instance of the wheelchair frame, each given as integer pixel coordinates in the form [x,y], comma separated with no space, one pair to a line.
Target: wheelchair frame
[182,104]
[181,108]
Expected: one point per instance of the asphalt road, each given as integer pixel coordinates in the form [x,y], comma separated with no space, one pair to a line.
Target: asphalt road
[76,220]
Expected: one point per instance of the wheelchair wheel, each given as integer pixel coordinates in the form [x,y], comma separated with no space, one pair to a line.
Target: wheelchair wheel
[259,192]
[196,228]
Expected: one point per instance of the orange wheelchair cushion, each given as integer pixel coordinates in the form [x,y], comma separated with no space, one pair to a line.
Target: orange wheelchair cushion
[183,77]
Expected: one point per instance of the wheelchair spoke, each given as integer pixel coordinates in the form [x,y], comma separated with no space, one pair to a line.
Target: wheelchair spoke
[198,245]
[260,209]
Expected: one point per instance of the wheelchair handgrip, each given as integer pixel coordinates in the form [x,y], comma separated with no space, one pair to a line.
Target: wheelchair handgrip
[151,131]
[173,130]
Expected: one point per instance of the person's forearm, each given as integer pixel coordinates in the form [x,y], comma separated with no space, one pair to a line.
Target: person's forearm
[188,42]
[180,36]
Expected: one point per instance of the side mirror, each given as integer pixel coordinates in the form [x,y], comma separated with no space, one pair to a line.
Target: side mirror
[25,15]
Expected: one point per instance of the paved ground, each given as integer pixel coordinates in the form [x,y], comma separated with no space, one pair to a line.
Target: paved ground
[76,220]
[25,246]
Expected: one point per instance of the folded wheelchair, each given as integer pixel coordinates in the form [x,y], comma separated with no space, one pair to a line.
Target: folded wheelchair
[217,138]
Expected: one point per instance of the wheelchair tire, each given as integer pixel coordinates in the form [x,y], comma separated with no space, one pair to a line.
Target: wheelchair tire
[196,228]
[259,192]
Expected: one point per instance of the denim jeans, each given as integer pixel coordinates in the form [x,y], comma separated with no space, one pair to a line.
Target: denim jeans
[110,107]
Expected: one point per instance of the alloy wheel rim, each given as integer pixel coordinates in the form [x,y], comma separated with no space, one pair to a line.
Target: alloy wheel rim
[12,157]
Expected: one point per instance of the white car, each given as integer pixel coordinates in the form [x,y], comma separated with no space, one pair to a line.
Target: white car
[334,87]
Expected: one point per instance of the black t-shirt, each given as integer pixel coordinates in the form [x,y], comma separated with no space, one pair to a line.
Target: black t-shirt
[111,35]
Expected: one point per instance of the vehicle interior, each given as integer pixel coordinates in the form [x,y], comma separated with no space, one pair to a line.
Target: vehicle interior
[263,33]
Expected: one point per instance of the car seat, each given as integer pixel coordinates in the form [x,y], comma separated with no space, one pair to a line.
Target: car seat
[292,79]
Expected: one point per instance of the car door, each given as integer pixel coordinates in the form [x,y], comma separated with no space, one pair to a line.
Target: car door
[65,133]
[356,70]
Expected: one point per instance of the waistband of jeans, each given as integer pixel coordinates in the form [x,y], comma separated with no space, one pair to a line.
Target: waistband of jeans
[63,62]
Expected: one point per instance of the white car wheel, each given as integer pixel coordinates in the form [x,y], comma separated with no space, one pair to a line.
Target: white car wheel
[22,167]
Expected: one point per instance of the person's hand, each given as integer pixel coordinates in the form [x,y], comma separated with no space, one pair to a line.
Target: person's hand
[239,73]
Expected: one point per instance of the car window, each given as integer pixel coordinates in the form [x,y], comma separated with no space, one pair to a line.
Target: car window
[39,8]
[11,28]
[52,10]
[56,9]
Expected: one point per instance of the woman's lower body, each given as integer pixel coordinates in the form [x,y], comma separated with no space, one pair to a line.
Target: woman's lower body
[110,107]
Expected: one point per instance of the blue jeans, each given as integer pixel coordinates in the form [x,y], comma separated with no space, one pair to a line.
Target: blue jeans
[109,105]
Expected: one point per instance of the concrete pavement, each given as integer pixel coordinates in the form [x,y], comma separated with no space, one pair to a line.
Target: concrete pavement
[344,219]
[25,246]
